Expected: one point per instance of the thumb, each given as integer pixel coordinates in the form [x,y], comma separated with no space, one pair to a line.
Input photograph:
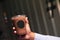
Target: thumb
[27,36]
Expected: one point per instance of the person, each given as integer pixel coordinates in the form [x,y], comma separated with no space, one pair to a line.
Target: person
[27,34]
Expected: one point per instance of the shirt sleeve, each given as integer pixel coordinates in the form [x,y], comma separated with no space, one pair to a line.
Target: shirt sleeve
[45,37]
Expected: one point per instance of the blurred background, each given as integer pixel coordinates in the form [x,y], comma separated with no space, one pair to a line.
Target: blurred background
[44,16]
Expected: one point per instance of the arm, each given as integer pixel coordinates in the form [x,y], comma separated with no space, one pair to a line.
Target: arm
[26,34]
[45,37]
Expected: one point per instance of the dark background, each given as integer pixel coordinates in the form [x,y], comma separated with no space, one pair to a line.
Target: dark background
[36,10]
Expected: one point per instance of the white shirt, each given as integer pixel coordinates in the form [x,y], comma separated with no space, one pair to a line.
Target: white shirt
[45,37]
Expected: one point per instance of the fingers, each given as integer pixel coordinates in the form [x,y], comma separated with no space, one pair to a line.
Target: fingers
[27,21]
[14,30]
[27,26]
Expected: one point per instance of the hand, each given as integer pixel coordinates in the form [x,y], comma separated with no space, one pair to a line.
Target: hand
[25,33]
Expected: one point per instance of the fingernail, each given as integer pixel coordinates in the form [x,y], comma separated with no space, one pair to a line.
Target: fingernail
[13,28]
[15,32]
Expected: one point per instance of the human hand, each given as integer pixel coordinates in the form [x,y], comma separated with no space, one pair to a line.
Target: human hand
[24,33]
